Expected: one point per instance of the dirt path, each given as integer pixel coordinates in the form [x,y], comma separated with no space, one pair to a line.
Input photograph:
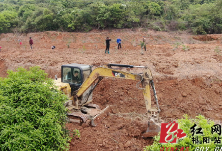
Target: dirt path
[187,72]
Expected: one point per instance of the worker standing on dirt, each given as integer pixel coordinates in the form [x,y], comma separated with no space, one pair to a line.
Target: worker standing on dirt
[144,43]
[20,42]
[118,42]
[107,44]
[30,42]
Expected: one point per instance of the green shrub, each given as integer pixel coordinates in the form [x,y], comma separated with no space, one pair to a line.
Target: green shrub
[32,113]
[185,124]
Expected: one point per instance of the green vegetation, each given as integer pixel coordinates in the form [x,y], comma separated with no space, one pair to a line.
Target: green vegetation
[185,48]
[201,16]
[185,124]
[32,113]
[76,133]
[176,46]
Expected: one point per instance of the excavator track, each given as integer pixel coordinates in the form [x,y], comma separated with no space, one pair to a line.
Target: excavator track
[90,113]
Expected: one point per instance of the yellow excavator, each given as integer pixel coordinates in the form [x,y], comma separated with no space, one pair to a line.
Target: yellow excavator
[79,80]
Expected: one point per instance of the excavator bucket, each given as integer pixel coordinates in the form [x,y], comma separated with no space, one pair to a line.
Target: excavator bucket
[152,130]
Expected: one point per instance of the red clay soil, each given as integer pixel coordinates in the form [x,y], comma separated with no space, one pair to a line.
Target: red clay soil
[176,97]
[3,68]
[111,133]
[186,70]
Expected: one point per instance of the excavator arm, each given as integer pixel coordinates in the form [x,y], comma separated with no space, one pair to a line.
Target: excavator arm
[107,71]
[81,110]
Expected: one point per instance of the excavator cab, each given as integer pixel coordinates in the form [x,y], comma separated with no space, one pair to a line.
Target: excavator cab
[75,74]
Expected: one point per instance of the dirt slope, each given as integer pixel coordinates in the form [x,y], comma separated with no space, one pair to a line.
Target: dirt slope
[186,70]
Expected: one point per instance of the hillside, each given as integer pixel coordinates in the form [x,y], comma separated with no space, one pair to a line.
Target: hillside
[197,16]
[186,70]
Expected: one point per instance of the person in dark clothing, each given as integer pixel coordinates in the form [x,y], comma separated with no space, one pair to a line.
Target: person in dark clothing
[31,42]
[76,78]
[107,44]
[118,42]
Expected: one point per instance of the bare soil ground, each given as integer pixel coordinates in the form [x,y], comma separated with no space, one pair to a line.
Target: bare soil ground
[187,72]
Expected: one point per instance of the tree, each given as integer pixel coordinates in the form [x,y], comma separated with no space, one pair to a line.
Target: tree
[33,116]
[101,14]
[154,9]
[216,17]
[199,18]
[170,11]
[117,15]
[25,11]
[7,20]
[44,21]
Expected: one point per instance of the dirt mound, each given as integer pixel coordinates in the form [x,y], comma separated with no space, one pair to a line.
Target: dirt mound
[190,96]
[176,97]
[113,133]
[207,37]
[122,129]
[122,94]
